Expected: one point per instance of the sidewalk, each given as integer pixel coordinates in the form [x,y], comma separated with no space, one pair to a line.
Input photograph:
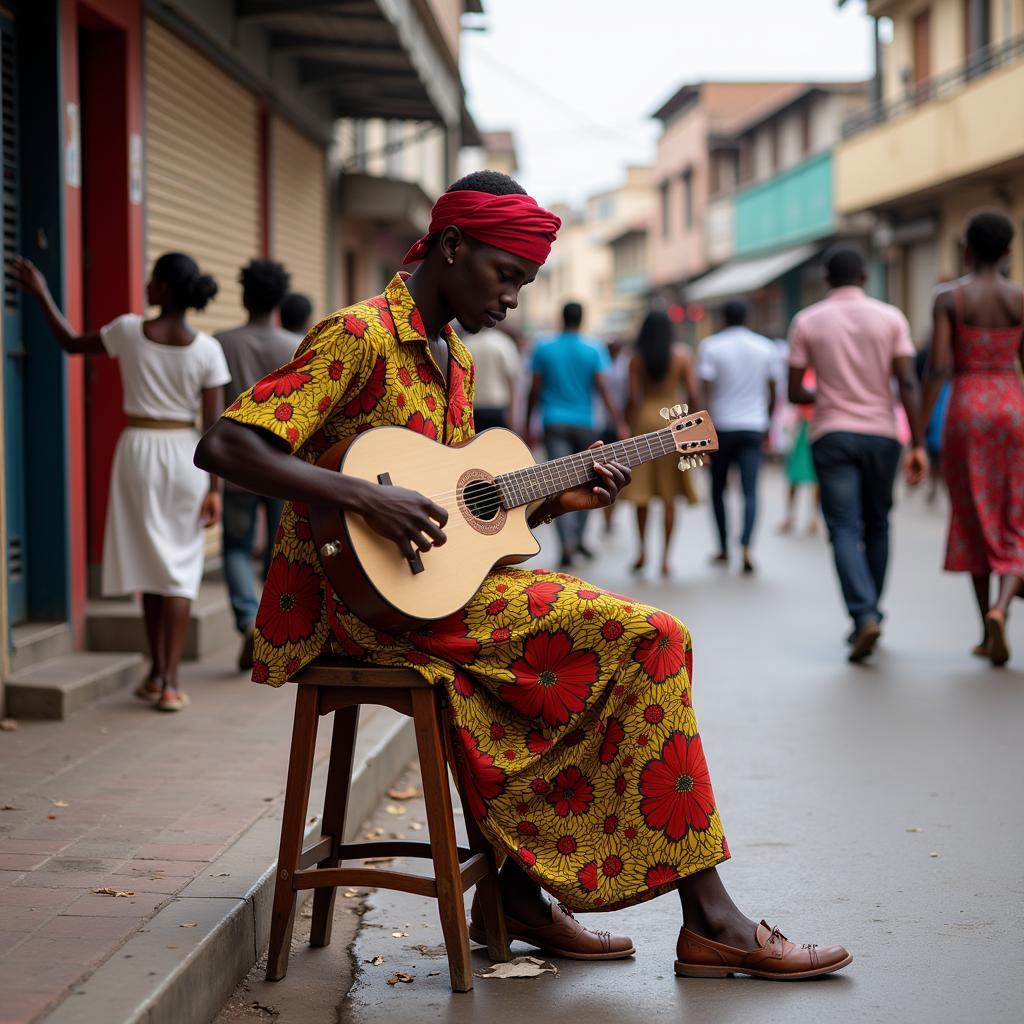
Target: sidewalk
[180,810]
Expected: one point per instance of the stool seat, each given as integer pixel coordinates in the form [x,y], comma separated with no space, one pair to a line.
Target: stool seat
[339,686]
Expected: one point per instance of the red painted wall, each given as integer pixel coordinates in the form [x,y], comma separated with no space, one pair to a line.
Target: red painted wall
[114,274]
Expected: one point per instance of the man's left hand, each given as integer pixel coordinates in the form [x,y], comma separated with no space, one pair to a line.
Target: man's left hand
[611,478]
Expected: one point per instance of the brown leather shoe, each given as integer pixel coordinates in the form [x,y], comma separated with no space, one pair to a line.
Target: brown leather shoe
[776,957]
[864,640]
[565,936]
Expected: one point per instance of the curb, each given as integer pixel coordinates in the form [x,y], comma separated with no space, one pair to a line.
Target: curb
[183,965]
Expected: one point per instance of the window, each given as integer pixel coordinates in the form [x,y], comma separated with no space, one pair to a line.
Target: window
[359,145]
[665,226]
[774,146]
[922,69]
[805,130]
[977,31]
[746,160]
[688,197]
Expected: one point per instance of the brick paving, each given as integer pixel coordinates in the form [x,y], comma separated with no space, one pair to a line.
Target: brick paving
[122,796]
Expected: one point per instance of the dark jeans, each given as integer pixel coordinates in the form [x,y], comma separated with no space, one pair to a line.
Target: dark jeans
[239,534]
[559,442]
[856,473]
[742,447]
[485,417]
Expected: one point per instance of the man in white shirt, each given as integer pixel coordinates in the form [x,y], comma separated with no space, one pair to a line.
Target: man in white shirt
[497,369]
[738,371]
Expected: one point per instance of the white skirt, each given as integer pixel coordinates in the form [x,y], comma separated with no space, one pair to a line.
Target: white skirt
[154,540]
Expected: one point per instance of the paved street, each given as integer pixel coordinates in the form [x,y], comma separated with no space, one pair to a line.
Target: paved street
[877,806]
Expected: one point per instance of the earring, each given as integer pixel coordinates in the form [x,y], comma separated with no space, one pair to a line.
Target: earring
[450,259]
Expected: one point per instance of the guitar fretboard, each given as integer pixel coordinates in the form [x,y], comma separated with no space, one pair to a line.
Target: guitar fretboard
[546,479]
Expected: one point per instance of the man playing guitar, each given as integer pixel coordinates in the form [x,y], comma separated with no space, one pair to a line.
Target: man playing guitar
[574,732]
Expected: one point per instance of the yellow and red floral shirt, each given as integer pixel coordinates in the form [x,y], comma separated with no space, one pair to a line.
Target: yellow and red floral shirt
[365,366]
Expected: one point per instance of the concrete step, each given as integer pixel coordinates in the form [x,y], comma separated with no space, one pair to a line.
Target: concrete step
[119,625]
[33,642]
[59,686]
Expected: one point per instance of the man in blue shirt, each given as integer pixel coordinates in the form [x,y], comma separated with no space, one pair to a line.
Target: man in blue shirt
[568,370]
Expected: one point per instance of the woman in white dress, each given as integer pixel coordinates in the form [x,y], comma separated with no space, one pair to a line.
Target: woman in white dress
[159,501]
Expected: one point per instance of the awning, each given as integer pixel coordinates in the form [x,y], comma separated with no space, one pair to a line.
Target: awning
[370,58]
[402,204]
[743,276]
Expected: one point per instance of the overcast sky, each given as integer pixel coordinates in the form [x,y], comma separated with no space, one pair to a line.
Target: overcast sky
[577,80]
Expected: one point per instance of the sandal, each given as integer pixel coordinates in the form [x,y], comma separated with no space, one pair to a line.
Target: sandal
[172,702]
[995,628]
[152,696]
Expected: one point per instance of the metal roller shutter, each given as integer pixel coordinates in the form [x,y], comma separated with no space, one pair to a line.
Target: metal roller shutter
[202,168]
[300,212]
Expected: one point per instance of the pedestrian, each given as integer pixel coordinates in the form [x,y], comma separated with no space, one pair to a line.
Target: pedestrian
[572,723]
[498,367]
[800,463]
[569,371]
[737,370]
[159,501]
[661,375]
[252,351]
[620,353]
[296,314]
[856,346]
[977,335]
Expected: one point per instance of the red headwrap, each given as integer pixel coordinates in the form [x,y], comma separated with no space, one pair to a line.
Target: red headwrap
[514,223]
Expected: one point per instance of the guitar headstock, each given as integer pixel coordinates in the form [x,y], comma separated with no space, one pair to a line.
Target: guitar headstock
[693,434]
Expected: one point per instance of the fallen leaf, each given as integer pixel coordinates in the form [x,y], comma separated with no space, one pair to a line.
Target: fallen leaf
[108,891]
[222,874]
[189,924]
[370,924]
[399,935]
[933,855]
[395,809]
[348,895]
[915,830]
[172,947]
[8,807]
[9,725]
[59,803]
[374,833]
[52,817]
[376,961]
[431,952]
[409,793]
[416,826]
[520,967]
[378,860]
[405,979]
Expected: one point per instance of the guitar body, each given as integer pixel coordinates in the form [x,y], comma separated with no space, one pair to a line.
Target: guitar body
[367,571]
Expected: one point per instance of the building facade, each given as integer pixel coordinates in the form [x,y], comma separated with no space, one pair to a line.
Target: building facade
[132,128]
[946,137]
[772,207]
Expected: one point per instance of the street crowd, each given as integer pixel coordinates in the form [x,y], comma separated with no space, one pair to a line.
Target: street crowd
[838,399]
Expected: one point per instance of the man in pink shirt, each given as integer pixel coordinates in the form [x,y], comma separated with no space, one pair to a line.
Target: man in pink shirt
[856,346]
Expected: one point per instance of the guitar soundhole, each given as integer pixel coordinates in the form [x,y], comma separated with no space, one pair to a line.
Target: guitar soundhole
[482,500]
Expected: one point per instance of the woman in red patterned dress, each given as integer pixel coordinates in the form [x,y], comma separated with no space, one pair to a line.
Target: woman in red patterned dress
[978,331]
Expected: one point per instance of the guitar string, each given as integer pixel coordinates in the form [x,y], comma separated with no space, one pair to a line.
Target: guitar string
[492,506]
[553,472]
[591,452]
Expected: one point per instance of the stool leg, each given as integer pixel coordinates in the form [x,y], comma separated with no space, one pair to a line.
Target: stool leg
[488,892]
[440,821]
[339,776]
[293,827]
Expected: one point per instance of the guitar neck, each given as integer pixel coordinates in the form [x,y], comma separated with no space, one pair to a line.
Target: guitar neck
[546,479]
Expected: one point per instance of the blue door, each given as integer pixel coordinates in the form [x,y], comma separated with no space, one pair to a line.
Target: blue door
[13,341]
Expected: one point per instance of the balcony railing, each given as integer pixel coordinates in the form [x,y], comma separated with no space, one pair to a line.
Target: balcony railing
[980,62]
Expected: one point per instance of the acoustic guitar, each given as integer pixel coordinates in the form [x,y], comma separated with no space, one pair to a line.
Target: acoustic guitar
[489,485]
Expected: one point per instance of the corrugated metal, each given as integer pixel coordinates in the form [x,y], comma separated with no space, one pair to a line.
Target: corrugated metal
[300,212]
[202,168]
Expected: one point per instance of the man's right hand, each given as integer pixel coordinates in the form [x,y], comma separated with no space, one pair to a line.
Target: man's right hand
[404,516]
[915,466]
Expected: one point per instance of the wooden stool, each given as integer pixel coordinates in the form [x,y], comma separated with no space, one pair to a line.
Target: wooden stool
[341,686]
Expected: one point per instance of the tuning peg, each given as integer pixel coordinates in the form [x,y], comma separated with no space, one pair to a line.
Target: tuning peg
[677,410]
[700,460]
[684,410]
[666,413]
